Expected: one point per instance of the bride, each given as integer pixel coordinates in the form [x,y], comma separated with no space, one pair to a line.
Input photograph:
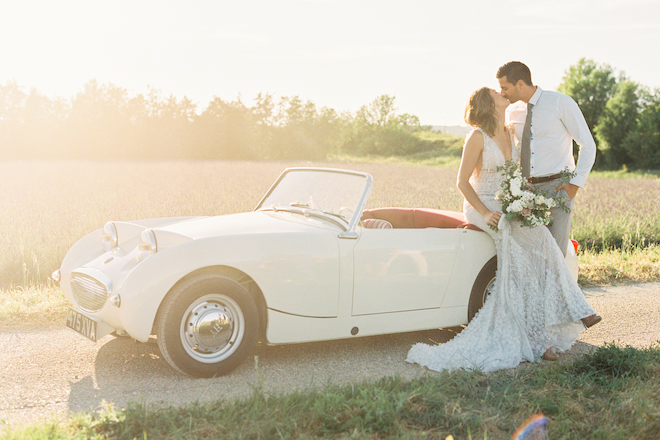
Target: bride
[536,309]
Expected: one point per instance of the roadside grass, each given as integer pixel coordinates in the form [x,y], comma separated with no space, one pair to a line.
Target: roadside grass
[610,393]
[32,306]
[634,265]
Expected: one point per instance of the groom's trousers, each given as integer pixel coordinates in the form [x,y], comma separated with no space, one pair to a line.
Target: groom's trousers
[561,221]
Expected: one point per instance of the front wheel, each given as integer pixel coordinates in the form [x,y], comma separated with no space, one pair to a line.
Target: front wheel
[207,326]
[481,288]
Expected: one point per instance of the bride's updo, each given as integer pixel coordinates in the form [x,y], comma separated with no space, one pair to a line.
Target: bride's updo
[480,111]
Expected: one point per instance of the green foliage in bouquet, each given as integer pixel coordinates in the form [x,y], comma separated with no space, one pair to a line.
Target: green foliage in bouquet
[523,202]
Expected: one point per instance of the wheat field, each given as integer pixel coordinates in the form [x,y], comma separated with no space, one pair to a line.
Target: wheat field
[46,206]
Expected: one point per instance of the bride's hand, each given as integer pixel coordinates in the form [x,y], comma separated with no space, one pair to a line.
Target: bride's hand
[493,218]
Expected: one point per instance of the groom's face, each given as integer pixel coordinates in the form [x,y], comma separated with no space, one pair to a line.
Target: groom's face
[509,91]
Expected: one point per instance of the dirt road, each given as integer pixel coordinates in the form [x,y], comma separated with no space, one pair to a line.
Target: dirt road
[47,373]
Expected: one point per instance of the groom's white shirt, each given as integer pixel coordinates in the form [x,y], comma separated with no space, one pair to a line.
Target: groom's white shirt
[556,122]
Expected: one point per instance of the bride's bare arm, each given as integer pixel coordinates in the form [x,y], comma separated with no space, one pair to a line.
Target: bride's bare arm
[474,147]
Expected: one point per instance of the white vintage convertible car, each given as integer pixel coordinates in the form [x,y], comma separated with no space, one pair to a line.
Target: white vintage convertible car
[308,264]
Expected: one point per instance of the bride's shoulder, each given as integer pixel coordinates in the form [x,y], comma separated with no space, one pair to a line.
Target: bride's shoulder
[476,132]
[475,138]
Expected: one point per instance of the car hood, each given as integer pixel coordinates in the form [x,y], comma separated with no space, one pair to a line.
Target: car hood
[246,223]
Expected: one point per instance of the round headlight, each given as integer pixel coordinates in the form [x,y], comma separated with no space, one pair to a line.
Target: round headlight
[148,244]
[110,237]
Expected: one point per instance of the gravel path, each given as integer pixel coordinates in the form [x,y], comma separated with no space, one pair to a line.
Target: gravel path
[51,372]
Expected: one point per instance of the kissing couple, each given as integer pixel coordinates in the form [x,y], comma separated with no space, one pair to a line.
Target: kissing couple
[535,309]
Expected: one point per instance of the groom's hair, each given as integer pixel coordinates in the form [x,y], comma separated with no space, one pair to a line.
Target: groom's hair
[514,72]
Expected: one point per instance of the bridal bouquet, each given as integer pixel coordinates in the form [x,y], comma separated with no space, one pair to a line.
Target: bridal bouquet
[522,201]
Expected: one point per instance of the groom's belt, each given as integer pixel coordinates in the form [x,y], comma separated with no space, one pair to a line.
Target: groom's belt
[535,180]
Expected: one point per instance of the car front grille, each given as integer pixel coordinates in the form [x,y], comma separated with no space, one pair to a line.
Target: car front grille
[89,293]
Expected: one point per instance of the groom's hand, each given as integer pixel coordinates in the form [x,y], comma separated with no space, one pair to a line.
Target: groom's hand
[570,189]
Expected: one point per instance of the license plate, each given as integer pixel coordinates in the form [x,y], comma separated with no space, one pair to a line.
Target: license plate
[80,323]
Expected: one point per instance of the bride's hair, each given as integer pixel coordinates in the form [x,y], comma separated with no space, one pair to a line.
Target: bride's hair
[480,111]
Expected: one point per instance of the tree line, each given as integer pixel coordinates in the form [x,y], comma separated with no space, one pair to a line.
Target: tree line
[104,122]
[623,115]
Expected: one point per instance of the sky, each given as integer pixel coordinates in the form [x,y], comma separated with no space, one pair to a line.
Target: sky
[429,55]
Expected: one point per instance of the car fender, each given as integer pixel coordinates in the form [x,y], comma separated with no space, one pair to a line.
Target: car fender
[298,274]
[91,245]
[476,248]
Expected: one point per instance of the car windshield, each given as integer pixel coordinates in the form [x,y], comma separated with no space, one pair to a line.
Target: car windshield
[332,191]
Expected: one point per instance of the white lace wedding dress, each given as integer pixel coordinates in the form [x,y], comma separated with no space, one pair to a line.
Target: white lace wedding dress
[535,303]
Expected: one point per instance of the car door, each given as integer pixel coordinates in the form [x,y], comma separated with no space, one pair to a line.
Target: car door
[402,269]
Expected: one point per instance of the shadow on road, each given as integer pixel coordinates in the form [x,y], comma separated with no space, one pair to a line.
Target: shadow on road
[126,370]
[129,371]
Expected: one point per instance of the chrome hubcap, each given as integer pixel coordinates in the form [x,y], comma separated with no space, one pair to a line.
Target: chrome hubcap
[212,328]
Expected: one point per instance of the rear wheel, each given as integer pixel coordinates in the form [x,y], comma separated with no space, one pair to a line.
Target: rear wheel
[207,326]
[481,288]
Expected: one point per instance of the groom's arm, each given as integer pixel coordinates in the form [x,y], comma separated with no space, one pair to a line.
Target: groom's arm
[577,127]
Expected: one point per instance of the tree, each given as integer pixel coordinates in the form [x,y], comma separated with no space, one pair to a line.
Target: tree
[225,130]
[12,101]
[618,119]
[380,112]
[591,85]
[169,131]
[377,129]
[303,132]
[30,124]
[643,142]
[98,125]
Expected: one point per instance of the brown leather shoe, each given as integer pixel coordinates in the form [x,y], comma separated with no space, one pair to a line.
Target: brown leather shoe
[550,355]
[590,321]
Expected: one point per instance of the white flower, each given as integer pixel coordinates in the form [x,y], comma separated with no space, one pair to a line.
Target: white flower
[540,200]
[527,197]
[515,186]
[516,206]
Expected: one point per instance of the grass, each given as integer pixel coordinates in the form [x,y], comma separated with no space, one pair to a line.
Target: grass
[634,265]
[618,213]
[611,393]
[29,307]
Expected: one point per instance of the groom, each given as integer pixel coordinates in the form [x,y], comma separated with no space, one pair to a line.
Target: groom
[548,122]
[555,121]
